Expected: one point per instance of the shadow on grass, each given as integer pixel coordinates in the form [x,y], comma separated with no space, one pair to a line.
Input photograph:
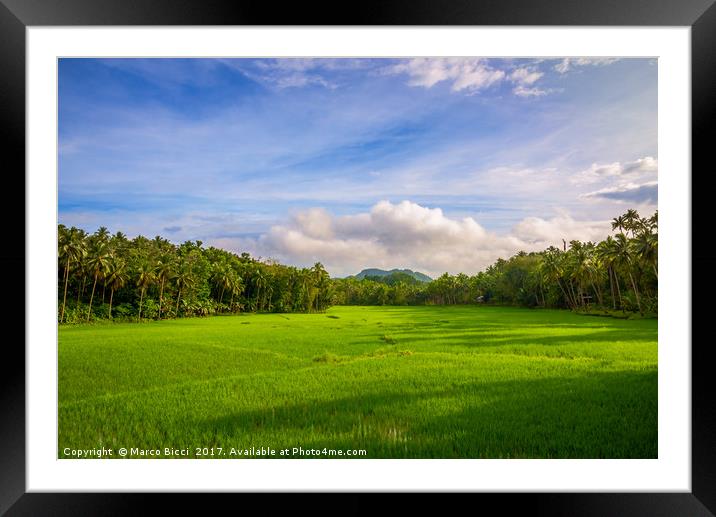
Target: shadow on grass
[596,415]
[503,336]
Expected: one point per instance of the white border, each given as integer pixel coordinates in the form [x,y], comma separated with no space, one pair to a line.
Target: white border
[671,472]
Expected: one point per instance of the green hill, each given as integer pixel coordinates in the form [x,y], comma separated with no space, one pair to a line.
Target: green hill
[374,272]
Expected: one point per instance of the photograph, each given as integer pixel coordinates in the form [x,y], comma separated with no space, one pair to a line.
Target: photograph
[357,257]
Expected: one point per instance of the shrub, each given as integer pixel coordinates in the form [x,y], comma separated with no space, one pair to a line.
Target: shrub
[150,309]
[124,311]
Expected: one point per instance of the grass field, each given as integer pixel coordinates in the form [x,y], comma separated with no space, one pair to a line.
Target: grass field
[399,382]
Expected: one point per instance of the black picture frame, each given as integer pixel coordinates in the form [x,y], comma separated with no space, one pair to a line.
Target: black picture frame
[700,15]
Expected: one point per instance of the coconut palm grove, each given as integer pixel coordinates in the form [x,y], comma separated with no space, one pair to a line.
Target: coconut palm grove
[363,258]
[110,277]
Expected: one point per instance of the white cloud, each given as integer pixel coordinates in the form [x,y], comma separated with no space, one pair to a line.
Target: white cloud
[299,80]
[645,193]
[522,91]
[315,223]
[633,182]
[477,79]
[464,73]
[409,235]
[525,76]
[642,167]
[568,63]
[537,230]
[470,75]
[291,72]
[610,169]
[646,164]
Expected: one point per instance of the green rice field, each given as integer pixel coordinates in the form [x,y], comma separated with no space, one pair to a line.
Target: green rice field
[396,382]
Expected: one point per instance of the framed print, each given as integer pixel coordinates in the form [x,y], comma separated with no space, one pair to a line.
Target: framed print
[416,254]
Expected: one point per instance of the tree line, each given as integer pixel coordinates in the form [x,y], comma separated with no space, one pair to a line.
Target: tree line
[618,273]
[104,276]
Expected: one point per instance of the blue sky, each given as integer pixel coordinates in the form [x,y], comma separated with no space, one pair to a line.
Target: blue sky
[433,164]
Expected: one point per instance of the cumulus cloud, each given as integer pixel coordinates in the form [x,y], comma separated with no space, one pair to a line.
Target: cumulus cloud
[569,63]
[548,231]
[315,223]
[409,235]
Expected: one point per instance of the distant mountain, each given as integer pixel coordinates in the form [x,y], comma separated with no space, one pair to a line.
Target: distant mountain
[420,277]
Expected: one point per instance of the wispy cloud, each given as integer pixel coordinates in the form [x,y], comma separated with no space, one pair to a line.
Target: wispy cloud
[296,72]
[464,74]
[522,91]
[473,75]
[570,63]
[525,76]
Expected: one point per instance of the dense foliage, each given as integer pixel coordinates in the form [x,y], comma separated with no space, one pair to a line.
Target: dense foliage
[109,276]
[618,273]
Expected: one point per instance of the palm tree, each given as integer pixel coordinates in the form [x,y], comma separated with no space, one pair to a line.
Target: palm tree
[553,267]
[306,302]
[97,266]
[578,268]
[71,249]
[606,251]
[624,258]
[619,223]
[259,280]
[541,275]
[101,235]
[645,247]
[145,278]
[320,281]
[632,221]
[236,287]
[81,271]
[116,278]
[119,241]
[268,297]
[163,271]
[222,278]
[183,279]
[101,238]
[596,273]
[654,221]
